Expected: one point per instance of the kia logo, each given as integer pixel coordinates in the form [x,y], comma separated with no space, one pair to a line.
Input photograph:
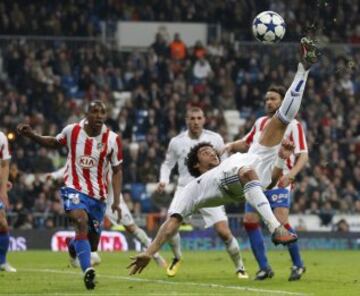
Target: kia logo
[87,162]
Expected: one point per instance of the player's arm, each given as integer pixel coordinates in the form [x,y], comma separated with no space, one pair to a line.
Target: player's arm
[167,166]
[4,178]
[301,153]
[166,231]
[46,141]
[301,160]
[286,149]
[237,146]
[116,183]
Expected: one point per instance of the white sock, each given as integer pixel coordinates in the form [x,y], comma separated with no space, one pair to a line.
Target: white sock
[145,241]
[292,100]
[233,249]
[175,245]
[256,197]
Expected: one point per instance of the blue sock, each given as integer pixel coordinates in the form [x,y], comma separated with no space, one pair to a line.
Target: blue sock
[257,244]
[4,246]
[294,250]
[83,252]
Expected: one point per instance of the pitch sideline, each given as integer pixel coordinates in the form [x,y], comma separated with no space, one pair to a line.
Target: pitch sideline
[205,285]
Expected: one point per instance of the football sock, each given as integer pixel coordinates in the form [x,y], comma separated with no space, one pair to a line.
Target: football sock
[83,251]
[233,249]
[294,249]
[257,244]
[292,100]
[4,246]
[257,199]
[176,245]
[142,237]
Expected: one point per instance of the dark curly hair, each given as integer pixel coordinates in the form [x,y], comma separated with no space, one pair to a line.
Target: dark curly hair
[192,158]
[278,89]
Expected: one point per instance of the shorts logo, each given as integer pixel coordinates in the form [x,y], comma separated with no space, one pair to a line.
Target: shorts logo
[87,162]
[74,198]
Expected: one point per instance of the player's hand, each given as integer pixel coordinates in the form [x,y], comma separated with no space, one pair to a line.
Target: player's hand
[138,263]
[24,130]
[285,181]
[160,187]
[115,208]
[4,199]
[287,148]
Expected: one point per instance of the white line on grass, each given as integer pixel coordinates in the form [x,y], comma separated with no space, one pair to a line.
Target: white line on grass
[205,285]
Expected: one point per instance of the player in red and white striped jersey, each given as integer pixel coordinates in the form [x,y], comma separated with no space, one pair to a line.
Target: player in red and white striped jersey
[279,198]
[4,203]
[92,149]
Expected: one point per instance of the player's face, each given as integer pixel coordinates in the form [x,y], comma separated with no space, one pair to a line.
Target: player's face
[272,102]
[96,115]
[195,122]
[207,158]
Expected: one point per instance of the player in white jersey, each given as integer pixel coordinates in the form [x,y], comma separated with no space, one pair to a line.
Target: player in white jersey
[240,175]
[279,197]
[178,149]
[92,149]
[126,220]
[4,203]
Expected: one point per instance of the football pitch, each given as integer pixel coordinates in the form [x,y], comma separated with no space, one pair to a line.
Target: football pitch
[201,273]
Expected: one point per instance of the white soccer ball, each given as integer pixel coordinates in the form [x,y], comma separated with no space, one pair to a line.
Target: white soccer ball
[268,27]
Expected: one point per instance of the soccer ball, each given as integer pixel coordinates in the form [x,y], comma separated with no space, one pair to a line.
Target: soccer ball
[268,27]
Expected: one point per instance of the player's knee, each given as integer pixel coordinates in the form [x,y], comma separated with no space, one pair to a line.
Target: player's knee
[130,228]
[247,174]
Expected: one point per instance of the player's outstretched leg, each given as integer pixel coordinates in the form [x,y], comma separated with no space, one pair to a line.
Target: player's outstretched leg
[274,131]
[175,245]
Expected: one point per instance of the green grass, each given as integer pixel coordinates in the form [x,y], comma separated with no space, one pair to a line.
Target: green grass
[201,273]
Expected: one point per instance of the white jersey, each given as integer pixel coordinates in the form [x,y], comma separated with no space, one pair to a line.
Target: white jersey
[90,158]
[294,132]
[4,147]
[221,184]
[178,149]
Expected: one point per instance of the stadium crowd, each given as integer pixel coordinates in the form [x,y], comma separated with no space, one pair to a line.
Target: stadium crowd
[46,84]
[339,20]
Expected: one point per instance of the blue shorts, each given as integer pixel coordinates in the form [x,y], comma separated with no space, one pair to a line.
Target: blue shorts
[2,205]
[95,209]
[278,198]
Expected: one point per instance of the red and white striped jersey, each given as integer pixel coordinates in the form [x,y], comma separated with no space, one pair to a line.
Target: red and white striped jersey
[90,158]
[294,132]
[4,147]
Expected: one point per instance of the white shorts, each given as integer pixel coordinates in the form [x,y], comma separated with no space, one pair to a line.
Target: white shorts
[210,216]
[265,164]
[126,217]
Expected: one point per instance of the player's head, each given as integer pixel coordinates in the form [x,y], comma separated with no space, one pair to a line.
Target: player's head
[195,120]
[201,158]
[273,98]
[95,113]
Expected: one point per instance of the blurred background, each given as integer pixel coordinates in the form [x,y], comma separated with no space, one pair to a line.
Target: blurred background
[151,59]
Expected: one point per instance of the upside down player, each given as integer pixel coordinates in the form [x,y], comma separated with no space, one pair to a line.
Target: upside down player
[279,197]
[92,149]
[4,203]
[240,175]
[179,147]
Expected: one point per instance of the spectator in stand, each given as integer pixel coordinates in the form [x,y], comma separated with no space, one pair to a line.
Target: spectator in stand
[178,50]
